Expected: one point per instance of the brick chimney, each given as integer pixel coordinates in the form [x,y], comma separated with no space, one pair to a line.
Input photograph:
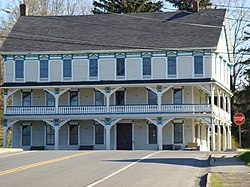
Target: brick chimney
[196,5]
[22,10]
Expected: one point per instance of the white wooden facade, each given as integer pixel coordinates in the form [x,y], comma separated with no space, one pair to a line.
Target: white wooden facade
[120,99]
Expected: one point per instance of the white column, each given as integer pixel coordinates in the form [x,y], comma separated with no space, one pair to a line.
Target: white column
[159,94]
[107,101]
[57,103]
[198,135]
[224,137]
[229,138]
[159,136]
[5,99]
[208,138]
[172,133]
[193,130]
[218,136]
[5,129]
[212,119]
[56,128]
[107,133]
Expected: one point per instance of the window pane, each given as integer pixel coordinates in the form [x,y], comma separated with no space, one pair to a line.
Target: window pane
[50,135]
[44,69]
[50,100]
[99,134]
[152,134]
[120,98]
[178,133]
[26,98]
[147,66]
[73,98]
[73,134]
[171,65]
[26,131]
[177,96]
[67,68]
[19,67]
[152,98]
[93,67]
[99,98]
[120,67]
[198,65]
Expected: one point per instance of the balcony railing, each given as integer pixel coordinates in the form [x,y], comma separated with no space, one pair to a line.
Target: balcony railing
[33,110]
[115,109]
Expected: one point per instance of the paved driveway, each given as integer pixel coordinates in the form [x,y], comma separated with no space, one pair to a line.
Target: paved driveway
[103,168]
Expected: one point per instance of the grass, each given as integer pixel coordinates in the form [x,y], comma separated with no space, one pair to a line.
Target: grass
[216,180]
[245,157]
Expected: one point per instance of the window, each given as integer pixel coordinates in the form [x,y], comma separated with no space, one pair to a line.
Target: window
[99,98]
[198,65]
[26,98]
[222,103]
[146,66]
[73,98]
[50,100]
[19,69]
[178,133]
[50,135]
[73,134]
[120,67]
[119,98]
[67,69]
[177,96]
[44,69]
[152,134]
[26,134]
[152,98]
[99,134]
[171,66]
[93,68]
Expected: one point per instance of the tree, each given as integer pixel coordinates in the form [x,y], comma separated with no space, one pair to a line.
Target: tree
[126,6]
[188,4]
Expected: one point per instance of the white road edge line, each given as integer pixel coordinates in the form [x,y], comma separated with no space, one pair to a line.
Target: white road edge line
[120,170]
[18,154]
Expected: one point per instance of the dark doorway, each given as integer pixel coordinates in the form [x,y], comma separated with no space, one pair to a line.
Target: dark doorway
[124,136]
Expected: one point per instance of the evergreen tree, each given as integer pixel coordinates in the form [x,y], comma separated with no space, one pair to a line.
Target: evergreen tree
[188,4]
[126,6]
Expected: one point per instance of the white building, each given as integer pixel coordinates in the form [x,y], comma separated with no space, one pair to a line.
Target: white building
[129,81]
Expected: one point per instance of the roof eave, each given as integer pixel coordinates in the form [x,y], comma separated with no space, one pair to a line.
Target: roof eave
[104,51]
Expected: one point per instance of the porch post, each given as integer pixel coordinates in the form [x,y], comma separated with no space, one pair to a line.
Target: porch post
[57,101]
[56,128]
[107,133]
[198,134]
[5,99]
[224,137]
[229,137]
[208,138]
[159,134]
[159,94]
[5,129]
[193,130]
[212,119]
[218,136]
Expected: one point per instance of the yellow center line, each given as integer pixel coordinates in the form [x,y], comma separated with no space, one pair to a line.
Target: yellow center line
[41,163]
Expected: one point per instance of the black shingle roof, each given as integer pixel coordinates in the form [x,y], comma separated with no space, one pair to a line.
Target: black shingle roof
[116,32]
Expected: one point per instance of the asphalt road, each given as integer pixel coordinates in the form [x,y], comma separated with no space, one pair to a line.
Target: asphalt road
[103,168]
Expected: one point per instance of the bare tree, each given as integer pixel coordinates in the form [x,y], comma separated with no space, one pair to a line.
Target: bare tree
[239,16]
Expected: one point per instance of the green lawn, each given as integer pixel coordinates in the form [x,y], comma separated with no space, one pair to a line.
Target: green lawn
[216,180]
[245,157]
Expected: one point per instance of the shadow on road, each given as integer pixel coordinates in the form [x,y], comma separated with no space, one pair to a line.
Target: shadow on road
[173,161]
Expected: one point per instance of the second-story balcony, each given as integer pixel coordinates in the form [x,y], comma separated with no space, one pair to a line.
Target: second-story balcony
[113,109]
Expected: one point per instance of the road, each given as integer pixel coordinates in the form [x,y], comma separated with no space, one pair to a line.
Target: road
[103,168]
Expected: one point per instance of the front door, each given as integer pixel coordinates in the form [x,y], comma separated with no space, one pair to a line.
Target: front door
[124,136]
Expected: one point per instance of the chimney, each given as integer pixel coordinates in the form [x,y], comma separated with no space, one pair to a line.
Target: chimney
[22,10]
[196,6]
